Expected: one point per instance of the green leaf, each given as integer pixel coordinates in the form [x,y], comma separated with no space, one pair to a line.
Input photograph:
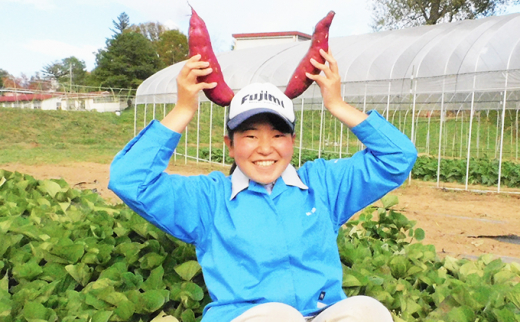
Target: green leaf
[504,315]
[163,317]
[186,291]
[470,268]
[100,285]
[193,290]
[398,266]
[125,310]
[389,201]
[152,300]
[188,316]
[95,302]
[412,306]
[5,223]
[71,253]
[114,272]
[114,298]
[419,234]
[29,230]
[351,281]
[503,276]
[155,280]
[131,280]
[29,270]
[188,270]
[130,250]
[80,272]
[151,260]
[4,283]
[461,314]
[514,296]
[64,206]
[8,240]
[36,312]
[50,187]
[101,316]
[515,267]
[451,264]
[5,310]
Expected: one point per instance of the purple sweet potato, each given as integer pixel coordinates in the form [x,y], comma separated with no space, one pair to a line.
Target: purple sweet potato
[299,82]
[200,43]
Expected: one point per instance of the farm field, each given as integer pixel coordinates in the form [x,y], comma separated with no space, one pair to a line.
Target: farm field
[454,221]
[79,147]
[105,263]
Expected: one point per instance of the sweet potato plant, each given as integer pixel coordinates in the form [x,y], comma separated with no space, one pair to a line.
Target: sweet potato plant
[67,255]
[482,171]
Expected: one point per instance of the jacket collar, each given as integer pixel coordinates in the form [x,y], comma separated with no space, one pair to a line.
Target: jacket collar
[239,181]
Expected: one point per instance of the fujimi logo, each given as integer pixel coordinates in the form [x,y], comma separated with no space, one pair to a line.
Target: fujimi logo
[263,96]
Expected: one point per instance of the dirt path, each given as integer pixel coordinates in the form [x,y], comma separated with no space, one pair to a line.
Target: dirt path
[452,219]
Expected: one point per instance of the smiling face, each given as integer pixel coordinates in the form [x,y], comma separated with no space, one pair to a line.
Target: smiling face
[262,149]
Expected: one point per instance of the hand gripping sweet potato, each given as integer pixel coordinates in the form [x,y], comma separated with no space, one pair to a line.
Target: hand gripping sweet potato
[320,40]
[200,43]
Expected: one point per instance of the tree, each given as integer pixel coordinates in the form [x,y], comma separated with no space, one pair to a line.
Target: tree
[61,70]
[3,74]
[151,30]
[171,45]
[36,82]
[397,14]
[129,59]
[55,70]
[12,82]
[122,23]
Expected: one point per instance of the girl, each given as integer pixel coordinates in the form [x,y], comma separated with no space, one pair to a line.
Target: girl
[265,235]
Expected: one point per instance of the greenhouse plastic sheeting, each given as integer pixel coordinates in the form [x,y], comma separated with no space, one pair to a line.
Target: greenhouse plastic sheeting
[470,55]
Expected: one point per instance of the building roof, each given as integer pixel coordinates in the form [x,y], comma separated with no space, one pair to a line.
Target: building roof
[26,97]
[272,35]
[23,97]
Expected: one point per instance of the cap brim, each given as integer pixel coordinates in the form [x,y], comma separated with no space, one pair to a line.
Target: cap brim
[238,119]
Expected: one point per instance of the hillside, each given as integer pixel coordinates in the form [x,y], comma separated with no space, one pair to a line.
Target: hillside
[36,136]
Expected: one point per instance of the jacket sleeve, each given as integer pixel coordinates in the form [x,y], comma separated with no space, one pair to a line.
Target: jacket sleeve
[354,183]
[173,203]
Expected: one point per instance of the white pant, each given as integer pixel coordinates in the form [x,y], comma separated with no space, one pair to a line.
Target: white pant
[352,309]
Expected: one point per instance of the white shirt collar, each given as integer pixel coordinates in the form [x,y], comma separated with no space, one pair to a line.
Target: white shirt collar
[239,181]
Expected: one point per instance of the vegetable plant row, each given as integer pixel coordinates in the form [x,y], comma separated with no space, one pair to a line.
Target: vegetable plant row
[482,171]
[68,255]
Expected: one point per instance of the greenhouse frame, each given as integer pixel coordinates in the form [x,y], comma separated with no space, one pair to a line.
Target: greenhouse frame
[453,88]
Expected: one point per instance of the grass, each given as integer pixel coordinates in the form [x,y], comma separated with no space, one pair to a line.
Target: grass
[51,137]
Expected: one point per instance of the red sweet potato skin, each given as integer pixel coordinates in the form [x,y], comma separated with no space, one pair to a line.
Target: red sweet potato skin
[200,43]
[299,82]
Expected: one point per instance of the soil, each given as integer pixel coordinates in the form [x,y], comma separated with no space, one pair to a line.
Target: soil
[458,223]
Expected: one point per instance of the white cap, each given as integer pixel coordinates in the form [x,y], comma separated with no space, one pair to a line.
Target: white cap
[259,98]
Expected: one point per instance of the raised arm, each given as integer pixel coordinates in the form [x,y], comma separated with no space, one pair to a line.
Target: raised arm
[187,93]
[330,86]
[137,173]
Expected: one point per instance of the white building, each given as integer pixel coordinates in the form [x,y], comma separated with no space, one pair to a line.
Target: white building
[98,101]
[250,40]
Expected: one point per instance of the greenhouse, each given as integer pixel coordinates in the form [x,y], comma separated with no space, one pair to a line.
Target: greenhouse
[453,88]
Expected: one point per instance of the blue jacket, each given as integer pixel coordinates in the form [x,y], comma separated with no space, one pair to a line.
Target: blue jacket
[256,247]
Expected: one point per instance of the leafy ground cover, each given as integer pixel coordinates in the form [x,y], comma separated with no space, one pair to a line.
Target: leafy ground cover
[67,255]
[482,171]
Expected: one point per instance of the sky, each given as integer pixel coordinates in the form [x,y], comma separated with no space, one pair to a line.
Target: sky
[36,33]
